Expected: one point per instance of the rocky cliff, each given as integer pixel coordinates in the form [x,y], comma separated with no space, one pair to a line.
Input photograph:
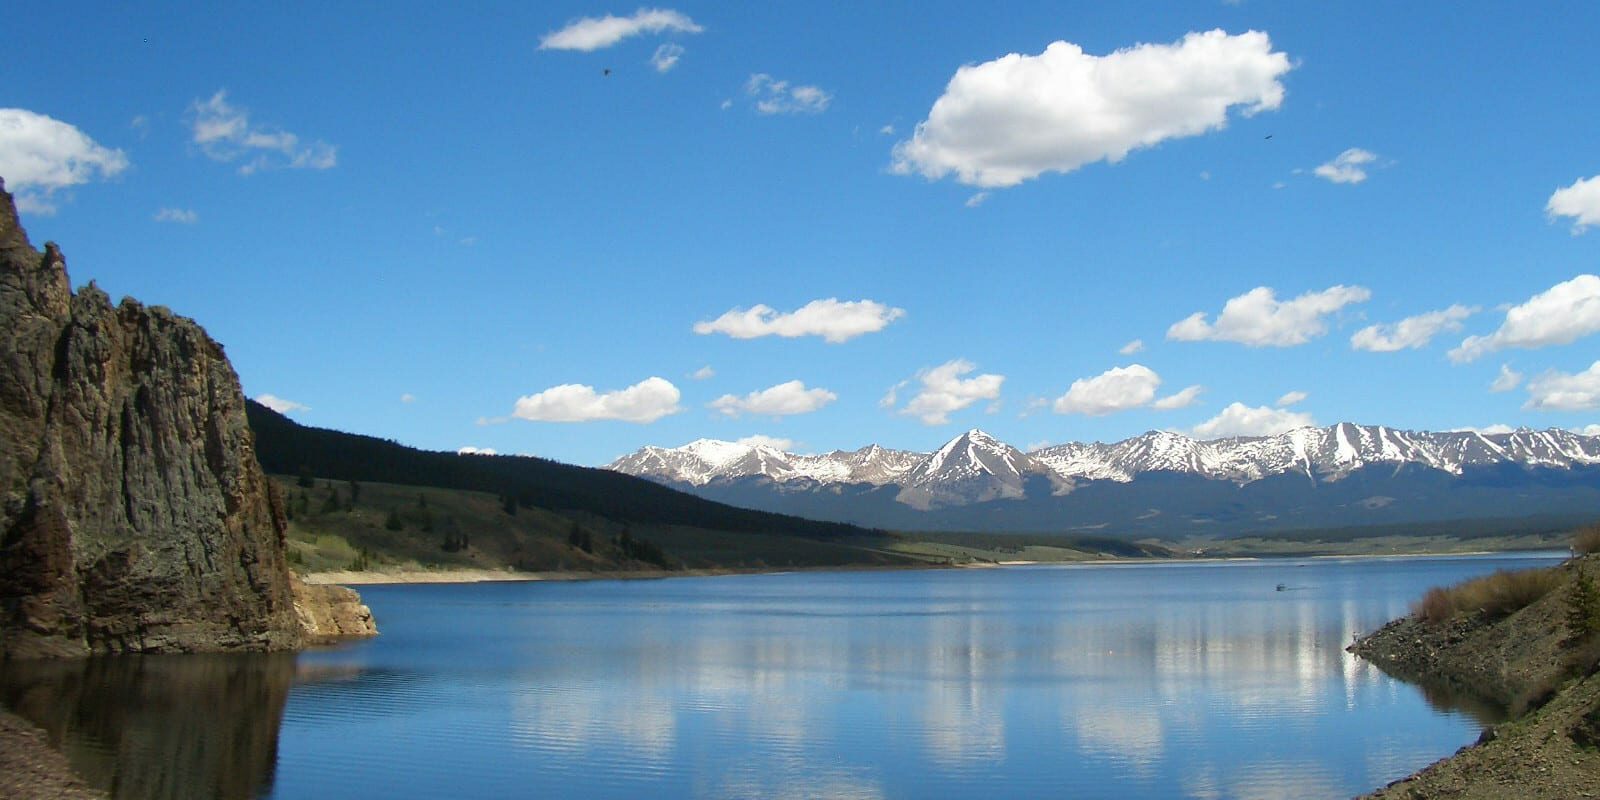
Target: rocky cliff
[134,516]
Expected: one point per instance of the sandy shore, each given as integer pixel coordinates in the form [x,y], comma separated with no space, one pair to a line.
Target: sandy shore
[398,576]
[30,769]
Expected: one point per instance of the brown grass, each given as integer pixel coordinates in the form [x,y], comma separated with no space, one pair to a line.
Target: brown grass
[1498,595]
[1586,540]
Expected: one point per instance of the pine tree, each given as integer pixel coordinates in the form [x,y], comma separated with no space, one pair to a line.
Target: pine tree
[1583,609]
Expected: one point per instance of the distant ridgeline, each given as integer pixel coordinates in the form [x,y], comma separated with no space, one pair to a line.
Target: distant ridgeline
[286,447]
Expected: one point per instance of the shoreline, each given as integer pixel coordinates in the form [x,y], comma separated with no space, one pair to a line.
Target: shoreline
[415,576]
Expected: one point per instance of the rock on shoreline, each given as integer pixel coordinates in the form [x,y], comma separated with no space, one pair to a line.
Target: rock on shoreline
[1518,661]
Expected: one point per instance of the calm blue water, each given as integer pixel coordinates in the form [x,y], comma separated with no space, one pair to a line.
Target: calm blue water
[1120,681]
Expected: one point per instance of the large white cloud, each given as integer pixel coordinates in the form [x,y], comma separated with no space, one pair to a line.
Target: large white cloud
[225,133]
[597,33]
[1560,391]
[942,390]
[1347,167]
[280,404]
[1239,419]
[646,401]
[831,319]
[784,399]
[1258,319]
[1580,201]
[1120,389]
[1411,332]
[1019,116]
[40,155]
[1561,314]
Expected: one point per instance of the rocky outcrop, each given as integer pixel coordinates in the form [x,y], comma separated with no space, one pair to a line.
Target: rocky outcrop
[134,516]
[1530,662]
[329,613]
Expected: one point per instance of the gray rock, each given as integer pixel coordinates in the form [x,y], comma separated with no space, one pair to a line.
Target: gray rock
[134,516]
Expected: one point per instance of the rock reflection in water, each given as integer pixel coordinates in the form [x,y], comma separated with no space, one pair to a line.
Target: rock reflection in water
[147,727]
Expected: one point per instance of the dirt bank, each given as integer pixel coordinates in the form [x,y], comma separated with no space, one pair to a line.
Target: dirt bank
[1527,662]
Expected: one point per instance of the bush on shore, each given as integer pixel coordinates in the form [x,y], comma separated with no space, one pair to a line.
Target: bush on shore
[1586,540]
[1498,595]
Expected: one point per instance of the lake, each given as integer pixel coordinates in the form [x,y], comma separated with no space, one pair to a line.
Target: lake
[1191,679]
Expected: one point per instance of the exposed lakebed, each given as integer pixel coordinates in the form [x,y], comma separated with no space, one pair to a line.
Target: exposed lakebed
[1132,680]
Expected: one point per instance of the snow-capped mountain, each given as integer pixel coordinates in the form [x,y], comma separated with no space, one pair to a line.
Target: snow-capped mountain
[1320,454]
[705,460]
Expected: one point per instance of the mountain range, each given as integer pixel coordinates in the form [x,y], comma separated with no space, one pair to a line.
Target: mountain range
[1335,476]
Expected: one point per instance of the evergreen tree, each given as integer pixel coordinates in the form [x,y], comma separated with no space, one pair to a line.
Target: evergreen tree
[331,504]
[306,479]
[508,504]
[355,492]
[393,522]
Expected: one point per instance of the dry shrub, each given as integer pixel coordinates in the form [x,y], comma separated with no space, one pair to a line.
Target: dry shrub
[1586,540]
[1497,595]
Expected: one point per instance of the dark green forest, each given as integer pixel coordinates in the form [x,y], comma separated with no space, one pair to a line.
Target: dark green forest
[286,447]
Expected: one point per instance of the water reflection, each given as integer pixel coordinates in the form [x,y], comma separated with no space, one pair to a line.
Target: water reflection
[1186,680]
[197,726]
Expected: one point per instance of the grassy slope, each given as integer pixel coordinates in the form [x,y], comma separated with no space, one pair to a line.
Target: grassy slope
[533,539]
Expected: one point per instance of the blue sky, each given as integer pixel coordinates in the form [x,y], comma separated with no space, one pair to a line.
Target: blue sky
[437,226]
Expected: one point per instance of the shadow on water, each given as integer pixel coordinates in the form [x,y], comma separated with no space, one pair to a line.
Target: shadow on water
[147,727]
[1452,698]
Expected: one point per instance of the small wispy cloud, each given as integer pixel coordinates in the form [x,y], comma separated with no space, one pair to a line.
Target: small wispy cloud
[225,133]
[182,216]
[773,96]
[597,33]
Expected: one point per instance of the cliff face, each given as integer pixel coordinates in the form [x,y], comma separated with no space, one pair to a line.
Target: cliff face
[134,516]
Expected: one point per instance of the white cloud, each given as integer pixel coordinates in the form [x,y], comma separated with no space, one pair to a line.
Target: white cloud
[1589,430]
[1560,391]
[225,133]
[977,199]
[944,391]
[1347,167]
[887,130]
[280,405]
[1487,430]
[1581,201]
[1135,346]
[1411,332]
[1291,398]
[182,216]
[784,399]
[646,401]
[1257,319]
[1116,389]
[596,33]
[469,450]
[831,319]
[40,155]
[1181,399]
[1507,380]
[1239,419]
[1121,389]
[408,398]
[666,56]
[703,373]
[774,442]
[1019,116]
[1559,315]
[773,96]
